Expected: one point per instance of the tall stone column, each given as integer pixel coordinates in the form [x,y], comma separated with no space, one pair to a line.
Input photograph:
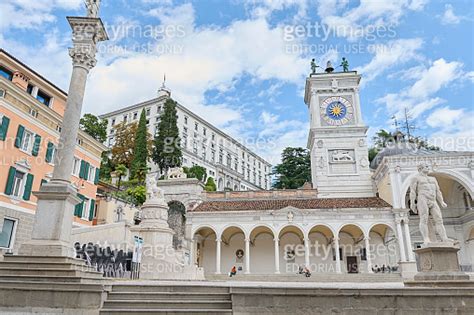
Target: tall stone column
[411,254]
[51,235]
[401,242]
[247,256]
[338,257]
[277,255]
[306,252]
[218,256]
[367,254]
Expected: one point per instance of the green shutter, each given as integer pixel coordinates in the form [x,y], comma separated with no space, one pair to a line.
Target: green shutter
[91,210]
[4,128]
[28,187]
[80,206]
[86,171]
[19,136]
[36,145]
[81,170]
[49,152]
[10,180]
[43,181]
[97,176]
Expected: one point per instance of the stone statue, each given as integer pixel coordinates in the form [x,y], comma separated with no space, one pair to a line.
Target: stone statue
[92,7]
[313,66]
[152,190]
[340,155]
[425,190]
[345,64]
[176,172]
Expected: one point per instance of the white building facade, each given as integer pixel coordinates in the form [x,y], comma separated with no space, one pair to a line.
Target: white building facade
[232,165]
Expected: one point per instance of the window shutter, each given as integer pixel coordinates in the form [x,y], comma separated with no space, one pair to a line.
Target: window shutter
[4,128]
[91,210]
[81,171]
[80,206]
[28,187]
[97,176]
[43,181]
[36,145]
[49,152]
[86,171]
[10,180]
[19,136]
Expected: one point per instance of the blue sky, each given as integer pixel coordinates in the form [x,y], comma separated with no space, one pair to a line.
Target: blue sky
[242,64]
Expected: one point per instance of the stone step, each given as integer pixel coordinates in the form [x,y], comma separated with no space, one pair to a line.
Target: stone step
[37,271]
[45,265]
[394,277]
[167,304]
[41,259]
[159,296]
[52,278]
[164,311]
[169,288]
[63,286]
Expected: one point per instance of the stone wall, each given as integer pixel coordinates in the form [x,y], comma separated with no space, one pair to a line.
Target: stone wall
[419,301]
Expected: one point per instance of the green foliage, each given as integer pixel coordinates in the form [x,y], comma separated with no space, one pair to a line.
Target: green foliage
[210,185]
[140,152]
[137,195]
[122,150]
[196,171]
[94,126]
[167,150]
[120,171]
[294,169]
[106,167]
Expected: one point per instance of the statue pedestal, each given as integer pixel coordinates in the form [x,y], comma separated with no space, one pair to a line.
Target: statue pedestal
[439,262]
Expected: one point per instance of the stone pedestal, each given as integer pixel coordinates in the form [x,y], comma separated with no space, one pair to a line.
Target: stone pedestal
[51,234]
[408,269]
[439,262]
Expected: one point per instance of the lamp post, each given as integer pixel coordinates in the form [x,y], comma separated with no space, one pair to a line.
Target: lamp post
[51,234]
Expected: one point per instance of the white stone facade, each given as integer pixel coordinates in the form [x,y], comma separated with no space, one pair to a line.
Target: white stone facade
[232,165]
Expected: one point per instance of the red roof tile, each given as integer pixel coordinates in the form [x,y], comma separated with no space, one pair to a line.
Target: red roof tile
[275,204]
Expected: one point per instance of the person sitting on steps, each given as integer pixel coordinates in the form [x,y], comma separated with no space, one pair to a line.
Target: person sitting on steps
[233,271]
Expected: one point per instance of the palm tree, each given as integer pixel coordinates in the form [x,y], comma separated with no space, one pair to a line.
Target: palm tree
[120,170]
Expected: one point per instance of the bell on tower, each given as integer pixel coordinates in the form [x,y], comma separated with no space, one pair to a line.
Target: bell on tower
[329,67]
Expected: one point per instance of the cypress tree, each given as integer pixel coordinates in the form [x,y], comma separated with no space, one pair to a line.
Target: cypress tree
[167,149]
[140,152]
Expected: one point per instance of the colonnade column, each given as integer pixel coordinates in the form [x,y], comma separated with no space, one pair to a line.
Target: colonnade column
[218,256]
[306,252]
[191,253]
[401,242]
[338,257]
[411,255]
[367,254]
[277,255]
[247,256]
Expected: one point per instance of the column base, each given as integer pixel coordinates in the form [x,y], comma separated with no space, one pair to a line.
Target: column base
[407,269]
[47,248]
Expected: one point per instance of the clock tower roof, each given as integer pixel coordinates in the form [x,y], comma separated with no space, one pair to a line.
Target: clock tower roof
[333,81]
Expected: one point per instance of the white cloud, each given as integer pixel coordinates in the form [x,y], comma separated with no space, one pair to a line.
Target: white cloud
[448,16]
[444,117]
[392,54]
[265,8]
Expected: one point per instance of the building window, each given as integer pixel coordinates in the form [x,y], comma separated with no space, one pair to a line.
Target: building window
[85,209]
[76,167]
[6,235]
[113,122]
[135,116]
[7,74]
[186,119]
[196,126]
[26,141]
[43,98]
[157,119]
[125,117]
[18,184]
[148,111]
[204,131]
[213,137]
[158,109]
[33,112]
[91,174]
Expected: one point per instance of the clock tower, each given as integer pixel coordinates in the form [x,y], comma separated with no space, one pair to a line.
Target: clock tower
[337,137]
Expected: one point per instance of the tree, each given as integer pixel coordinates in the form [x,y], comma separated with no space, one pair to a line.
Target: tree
[120,171]
[167,150]
[294,169]
[196,171]
[94,126]
[122,150]
[106,167]
[140,152]
[210,185]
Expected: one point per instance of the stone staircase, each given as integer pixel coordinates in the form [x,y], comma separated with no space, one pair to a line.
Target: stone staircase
[315,277]
[167,299]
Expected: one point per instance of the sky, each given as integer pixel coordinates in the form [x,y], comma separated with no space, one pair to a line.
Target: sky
[242,64]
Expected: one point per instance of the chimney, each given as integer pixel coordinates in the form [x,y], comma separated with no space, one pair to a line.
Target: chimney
[20,80]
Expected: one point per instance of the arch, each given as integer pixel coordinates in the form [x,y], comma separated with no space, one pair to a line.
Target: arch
[388,225]
[236,187]
[291,228]
[201,227]
[383,236]
[324,227]
[230,231]
[350,228]
[260,229]
[381,229]
[447,173]
[220,184]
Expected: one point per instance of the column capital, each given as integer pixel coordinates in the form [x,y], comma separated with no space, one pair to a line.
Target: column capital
[276,239]
[218,240]
[83,57]
[247,240]
[366,238]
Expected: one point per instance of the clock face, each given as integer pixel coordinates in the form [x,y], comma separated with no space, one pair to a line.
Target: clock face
[336,111]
